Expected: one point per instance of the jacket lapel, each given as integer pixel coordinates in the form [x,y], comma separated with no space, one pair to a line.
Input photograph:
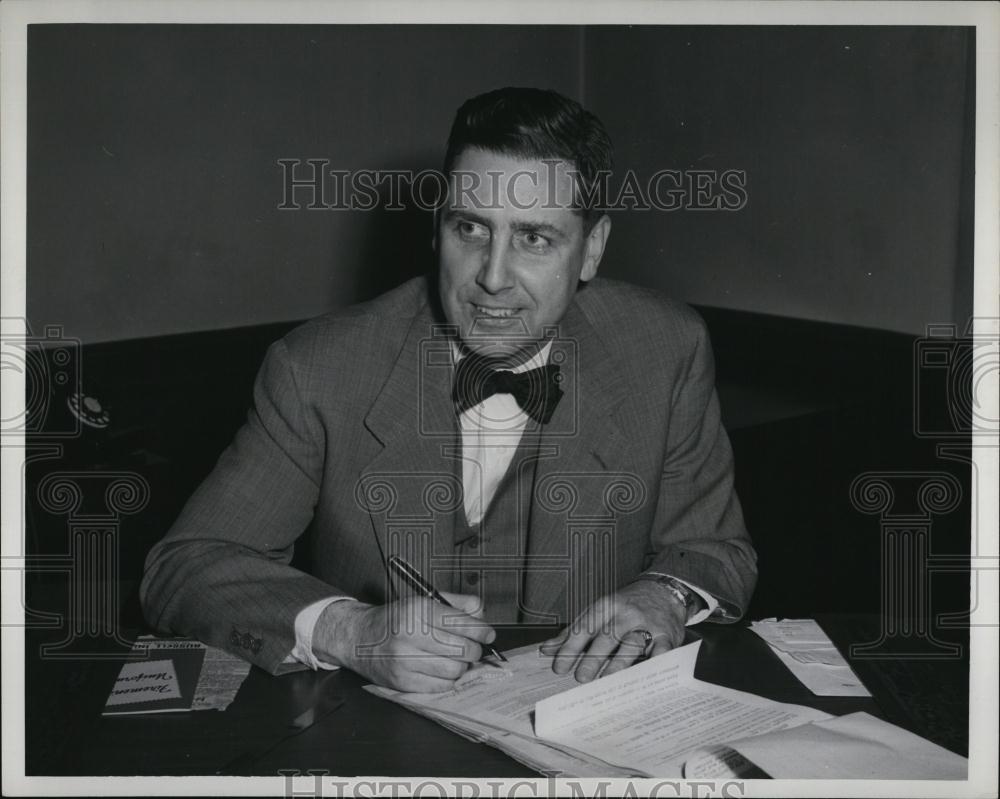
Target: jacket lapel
[410,488]
[584,479]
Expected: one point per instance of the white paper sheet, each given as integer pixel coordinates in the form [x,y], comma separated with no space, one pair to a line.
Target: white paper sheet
[221,676]
[856,746]
[652,715]
[484,695]
[532,752]
[810,655]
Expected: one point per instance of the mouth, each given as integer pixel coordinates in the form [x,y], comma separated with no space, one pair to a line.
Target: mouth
[495,313]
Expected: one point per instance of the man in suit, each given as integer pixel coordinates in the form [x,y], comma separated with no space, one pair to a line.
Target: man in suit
[544,446]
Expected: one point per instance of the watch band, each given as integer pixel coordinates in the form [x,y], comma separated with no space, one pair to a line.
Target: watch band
[688,598]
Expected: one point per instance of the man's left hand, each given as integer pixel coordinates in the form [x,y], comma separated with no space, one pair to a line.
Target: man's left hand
[605,635]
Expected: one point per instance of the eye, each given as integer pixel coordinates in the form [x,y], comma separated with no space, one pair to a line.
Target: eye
[471,231]
[534,240]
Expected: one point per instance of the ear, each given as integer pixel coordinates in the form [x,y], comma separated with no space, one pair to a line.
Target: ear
[593,247]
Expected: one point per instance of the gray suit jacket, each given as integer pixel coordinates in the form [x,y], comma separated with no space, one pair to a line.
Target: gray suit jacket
[351,440]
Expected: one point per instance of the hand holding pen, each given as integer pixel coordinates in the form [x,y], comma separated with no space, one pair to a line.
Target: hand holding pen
[410,644]
[413,578]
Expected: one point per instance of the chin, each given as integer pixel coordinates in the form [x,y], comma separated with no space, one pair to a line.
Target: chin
[498,348]
[492,347]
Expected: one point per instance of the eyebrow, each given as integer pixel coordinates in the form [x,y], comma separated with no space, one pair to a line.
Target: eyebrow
[539,227]
[521,226]
[461,213]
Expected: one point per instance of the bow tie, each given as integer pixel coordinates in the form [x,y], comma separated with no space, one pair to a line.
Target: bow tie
[536,391]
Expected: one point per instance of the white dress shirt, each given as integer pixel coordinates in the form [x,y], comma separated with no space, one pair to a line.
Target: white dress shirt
[491,433]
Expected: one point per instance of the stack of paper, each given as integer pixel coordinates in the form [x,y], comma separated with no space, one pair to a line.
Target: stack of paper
[642,721]
[656,720]
[495,705]
[810,655]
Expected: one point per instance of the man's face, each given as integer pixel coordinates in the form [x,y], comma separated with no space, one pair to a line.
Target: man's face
[511,250]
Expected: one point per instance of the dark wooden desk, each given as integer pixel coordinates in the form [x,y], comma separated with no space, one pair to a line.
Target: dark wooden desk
[66,734]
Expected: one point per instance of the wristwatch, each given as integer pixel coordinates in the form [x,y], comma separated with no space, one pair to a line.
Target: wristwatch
[688,598]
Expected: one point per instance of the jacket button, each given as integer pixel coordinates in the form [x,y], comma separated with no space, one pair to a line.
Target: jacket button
[472,579]
[474,543]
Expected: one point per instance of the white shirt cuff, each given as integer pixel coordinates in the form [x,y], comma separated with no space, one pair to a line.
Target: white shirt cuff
[711,603]
[305,626]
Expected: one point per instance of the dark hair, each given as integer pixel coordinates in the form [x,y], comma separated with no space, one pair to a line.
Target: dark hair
[536,124]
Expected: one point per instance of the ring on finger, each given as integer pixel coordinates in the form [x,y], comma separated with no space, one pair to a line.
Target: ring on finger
[647,639]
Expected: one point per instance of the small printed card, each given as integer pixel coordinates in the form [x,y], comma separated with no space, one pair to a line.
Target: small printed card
[810,655]
[149,681]
[178,675]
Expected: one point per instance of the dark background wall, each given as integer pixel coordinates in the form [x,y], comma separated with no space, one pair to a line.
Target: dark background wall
[153,174]
[154,185]
[852,143]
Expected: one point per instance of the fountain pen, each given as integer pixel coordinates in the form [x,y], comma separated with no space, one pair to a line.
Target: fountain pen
[412,578]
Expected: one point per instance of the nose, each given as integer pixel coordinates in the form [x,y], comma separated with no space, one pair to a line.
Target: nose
[495,274]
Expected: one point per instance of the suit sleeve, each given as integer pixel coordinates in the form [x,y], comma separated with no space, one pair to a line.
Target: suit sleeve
[698,534]
[222,572]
